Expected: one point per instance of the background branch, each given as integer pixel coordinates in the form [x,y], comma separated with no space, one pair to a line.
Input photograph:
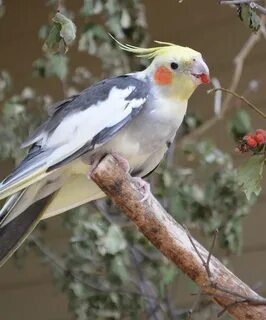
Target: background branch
[251,105]
[239,61]
[172,240]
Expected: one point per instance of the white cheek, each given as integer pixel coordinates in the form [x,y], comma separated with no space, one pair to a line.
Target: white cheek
[196,81]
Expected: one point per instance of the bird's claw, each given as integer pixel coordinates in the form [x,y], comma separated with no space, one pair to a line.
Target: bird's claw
[124,164]
[92,167]
[143,187]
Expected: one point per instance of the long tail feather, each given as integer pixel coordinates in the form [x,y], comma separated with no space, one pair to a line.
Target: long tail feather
[9,205]
[13,234]
[8,189]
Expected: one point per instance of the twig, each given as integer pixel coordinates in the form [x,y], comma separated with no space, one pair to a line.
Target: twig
[263,30]
[222,312]
[242,298]
[171,239]
[253,300]
[102,206]
[206,265]
[258,7]
[150,255]
[251,3]
[59,5]
[152,305]
[251,105]
[195,304]
[235,1]
[169,310]
[211,251]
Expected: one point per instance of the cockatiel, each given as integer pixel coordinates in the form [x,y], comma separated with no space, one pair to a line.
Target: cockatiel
[134,116]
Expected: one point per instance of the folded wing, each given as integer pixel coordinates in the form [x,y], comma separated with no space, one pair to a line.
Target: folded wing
[77,125]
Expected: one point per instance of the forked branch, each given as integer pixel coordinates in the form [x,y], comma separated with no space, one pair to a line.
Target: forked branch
[173,241]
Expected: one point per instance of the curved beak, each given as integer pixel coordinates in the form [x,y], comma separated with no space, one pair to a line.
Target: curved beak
[200,71]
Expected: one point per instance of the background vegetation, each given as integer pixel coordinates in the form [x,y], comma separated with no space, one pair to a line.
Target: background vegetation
[110,271]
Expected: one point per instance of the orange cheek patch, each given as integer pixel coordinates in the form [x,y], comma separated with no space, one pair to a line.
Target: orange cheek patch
[163,76]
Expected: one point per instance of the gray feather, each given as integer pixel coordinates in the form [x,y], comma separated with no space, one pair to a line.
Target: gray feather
[9,205]
[35,159]
[35,135]
[85,99]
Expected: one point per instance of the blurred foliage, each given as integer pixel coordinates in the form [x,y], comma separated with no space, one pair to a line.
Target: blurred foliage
[110,271]
[240,124]
[248,15]
[52,65]
[20,114]
[5,84]
[2,8]
[206,197]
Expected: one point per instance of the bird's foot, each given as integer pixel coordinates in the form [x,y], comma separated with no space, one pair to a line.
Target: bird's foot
[143,187]
[122,161]
[92,167]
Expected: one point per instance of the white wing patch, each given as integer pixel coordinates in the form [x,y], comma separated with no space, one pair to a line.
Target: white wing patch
[79,128]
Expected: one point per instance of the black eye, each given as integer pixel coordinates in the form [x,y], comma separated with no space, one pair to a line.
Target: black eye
[174,65]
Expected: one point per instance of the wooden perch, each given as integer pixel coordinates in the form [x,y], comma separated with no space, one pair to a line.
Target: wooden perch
[214,279]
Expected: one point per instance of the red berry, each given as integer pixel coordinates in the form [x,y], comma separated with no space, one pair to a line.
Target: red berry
[247,137]
[260,138]
[251,142]
[261,131]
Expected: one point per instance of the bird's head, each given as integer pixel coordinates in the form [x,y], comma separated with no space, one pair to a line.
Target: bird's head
[175,70]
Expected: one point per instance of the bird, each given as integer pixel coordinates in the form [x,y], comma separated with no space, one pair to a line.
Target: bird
[134,116]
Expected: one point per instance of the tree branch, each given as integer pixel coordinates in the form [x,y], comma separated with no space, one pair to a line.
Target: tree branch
[172,240]
[250,104]
[251,3]
[235,1]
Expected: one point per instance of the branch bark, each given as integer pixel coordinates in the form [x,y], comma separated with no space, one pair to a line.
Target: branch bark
[172,240]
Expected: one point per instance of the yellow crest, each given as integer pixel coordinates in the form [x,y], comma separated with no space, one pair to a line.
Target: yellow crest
[166,48]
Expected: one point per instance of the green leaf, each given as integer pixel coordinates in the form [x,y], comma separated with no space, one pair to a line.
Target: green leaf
[53,43]
[113,242]
[240,124]
[250,175]
[61,35]
[68,28]
[249,17]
